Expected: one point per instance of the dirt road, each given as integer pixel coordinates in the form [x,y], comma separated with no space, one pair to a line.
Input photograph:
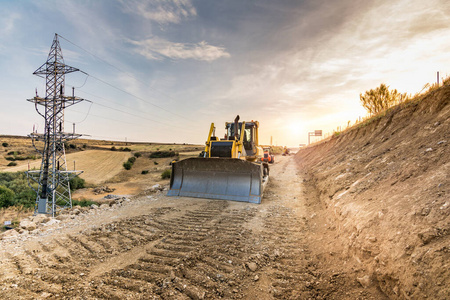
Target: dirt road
[158,247]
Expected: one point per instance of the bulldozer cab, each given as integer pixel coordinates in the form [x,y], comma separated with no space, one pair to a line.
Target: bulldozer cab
[249,140]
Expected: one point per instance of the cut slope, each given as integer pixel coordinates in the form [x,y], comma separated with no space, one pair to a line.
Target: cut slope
[386,185]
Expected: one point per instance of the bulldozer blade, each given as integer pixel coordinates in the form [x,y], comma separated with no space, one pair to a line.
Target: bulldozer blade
[217,178]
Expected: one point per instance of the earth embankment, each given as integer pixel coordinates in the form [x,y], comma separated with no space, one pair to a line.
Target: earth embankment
[385,185]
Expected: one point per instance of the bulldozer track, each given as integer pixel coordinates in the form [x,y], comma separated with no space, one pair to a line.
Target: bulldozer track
[163,255]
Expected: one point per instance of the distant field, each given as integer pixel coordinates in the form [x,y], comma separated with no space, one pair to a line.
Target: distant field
[97,165]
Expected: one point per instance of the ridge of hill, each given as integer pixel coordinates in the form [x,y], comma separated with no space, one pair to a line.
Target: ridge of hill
[386,187]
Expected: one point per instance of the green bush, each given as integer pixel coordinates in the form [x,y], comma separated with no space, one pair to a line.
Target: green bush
[162,154]
[126,149]
[144,172]
[155,162]
[12,164]
[137,154]
[113,148]
[10,158]
[5,144]
[6,196]
[166,174]
[127,165]
[132,159]
[77,183]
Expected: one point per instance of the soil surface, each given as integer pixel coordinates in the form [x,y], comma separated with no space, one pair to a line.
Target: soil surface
[386,188]
[159,247]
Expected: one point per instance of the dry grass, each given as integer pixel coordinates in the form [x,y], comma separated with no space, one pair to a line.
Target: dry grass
[14,214]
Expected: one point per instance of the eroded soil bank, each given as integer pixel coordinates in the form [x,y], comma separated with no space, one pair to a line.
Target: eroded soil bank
[385,186]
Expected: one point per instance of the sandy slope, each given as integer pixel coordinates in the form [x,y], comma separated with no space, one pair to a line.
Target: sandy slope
[386,186]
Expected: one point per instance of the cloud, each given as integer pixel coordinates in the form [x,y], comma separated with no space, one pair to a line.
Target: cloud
[161,11]
[156,48]
[8,22]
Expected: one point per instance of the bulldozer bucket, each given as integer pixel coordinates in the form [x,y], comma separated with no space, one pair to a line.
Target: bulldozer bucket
[217,178]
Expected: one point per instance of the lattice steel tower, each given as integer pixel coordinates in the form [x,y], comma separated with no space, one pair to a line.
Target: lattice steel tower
[53,192]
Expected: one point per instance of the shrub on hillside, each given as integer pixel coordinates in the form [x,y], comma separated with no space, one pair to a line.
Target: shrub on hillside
[144,172]
[4,144]
[379,99]
[77,183]
[132,159]
[12,164]
[166,174]
[6,196]
[162,154]
[113,148]
[137,154]
[127,165]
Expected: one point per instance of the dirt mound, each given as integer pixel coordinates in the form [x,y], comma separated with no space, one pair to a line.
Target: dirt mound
[385,184]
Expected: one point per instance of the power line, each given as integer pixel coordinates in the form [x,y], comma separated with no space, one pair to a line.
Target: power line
[129,75]
[119,104]
[125,112]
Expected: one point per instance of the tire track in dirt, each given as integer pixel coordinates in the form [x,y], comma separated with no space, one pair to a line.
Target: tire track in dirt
[198,254]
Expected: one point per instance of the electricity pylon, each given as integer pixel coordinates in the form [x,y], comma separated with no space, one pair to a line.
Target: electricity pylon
[53,192]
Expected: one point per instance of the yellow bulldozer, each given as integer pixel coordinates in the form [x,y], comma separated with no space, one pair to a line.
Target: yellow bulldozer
[229,168]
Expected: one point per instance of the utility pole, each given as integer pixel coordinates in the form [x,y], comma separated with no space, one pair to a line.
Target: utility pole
[53,192]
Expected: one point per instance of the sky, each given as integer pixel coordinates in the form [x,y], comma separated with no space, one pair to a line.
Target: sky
[163,70]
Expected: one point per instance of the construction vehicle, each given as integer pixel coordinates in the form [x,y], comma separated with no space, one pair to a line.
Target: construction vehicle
[228,168]
[268,156]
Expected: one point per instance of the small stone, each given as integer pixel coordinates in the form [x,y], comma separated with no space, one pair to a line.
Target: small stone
[27,225]
[425,211]
[429,150]
[372,239]
[104,206]
[61,217]
[52,221]
[94,206]
[252,266]
[256,278]
[364,281]
[41,218]
[441,142]
[76,211]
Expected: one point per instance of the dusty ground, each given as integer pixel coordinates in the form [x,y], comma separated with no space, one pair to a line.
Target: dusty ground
[158,247]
